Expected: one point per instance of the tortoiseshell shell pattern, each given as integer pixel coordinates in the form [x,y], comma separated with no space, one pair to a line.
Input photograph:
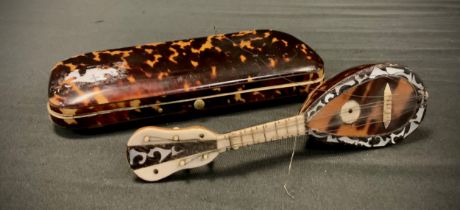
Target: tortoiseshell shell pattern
[159,79]
[366,85]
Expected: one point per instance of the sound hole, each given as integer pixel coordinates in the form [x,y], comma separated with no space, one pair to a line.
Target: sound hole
[350,111]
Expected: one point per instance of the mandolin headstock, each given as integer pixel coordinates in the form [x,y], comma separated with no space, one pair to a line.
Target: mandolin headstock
[369,105]
[154,153]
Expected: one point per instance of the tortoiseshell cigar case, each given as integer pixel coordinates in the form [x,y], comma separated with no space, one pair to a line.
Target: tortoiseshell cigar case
[180,77]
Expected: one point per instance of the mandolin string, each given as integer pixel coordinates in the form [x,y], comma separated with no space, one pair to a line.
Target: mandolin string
[293,153]
[413,98]
[361,107]
[366,106]
[365,116]
[408,109]
[289,169]
[314,89]
[311,90]
[375,122]
[290,124]
[246,143]
[292,156]
[285,185]
[378,96]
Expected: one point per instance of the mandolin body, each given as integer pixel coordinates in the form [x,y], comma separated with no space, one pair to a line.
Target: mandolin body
[390,99]
[371,105]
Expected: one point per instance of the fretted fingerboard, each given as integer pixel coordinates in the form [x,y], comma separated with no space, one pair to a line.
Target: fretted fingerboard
[272,131]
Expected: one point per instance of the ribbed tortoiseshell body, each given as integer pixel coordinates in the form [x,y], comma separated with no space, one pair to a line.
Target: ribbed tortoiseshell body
[391,101]
[159,79]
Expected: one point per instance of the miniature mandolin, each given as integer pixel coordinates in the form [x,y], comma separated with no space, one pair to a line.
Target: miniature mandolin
[369,106]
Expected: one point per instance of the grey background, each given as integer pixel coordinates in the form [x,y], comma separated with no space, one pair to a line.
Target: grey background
[48,168]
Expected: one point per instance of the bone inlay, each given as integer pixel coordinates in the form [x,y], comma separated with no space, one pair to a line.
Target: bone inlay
[387,105]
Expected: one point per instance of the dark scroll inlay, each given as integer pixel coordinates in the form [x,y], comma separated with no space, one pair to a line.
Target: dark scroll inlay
[147,155]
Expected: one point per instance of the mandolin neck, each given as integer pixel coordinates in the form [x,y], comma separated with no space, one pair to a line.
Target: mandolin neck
[272,131]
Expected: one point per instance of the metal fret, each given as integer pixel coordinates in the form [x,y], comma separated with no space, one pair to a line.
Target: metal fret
[276,130]
[233,144]
[244,134]
[297,125]
[252,135]
[265,136]
[241,137]
[287,128]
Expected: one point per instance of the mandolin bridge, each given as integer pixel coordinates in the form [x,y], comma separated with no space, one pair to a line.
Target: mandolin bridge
[387,105]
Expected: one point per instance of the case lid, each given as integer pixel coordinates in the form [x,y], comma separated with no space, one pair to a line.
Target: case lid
[120,78]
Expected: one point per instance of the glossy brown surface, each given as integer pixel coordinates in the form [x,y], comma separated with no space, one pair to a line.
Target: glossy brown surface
[112,86]
[369,105]
[328,84]
[370,100]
